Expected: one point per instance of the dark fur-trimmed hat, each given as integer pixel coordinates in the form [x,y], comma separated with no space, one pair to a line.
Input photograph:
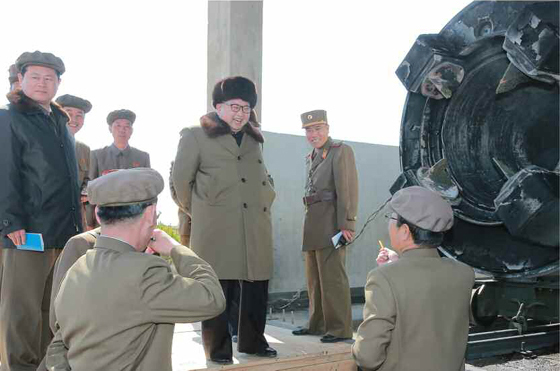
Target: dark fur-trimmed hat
[236,87]
[121,114]
[13,74]
[68,100]
[38,58]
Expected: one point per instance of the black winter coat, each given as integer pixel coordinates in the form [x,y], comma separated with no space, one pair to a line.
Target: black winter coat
[39,189]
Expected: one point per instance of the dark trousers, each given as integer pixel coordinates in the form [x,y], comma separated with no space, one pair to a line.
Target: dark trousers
[216,336]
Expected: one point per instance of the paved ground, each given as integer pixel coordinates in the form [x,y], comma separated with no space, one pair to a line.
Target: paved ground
[188,353]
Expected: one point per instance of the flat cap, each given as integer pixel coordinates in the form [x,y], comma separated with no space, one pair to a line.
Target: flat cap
[68,100]
[318,116]
[236,87]
[423,208]
[121,114]
[125,187]
[38,58]
[13,77]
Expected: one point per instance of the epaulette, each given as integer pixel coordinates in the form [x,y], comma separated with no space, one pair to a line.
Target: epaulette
[337,144]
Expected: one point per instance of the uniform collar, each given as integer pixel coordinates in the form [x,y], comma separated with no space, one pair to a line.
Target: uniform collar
[115,151]
[421,252]
[106,242]
[324,149]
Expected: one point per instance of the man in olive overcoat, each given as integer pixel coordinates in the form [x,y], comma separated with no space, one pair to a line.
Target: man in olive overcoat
[222,182]
[117,306]
[416,315]
[331,207]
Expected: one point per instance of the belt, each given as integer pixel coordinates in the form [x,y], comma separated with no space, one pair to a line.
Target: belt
[319,197]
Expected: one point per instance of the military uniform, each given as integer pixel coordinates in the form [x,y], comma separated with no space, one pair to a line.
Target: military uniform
[331,200]
[111,158]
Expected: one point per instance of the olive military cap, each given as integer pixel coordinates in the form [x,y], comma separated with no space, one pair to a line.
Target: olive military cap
[236,87]
[13,77]
[121,114]
[68,100]
[38,58]
[313,118]
[125,187]
[423,208]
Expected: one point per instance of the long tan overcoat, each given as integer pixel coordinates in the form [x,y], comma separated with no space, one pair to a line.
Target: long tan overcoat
[416,315]
[225,189]
[331,171]
[116,307]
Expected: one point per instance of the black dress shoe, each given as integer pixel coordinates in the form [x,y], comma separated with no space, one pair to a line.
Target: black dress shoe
[301,331]
[268,352]
[222,361]
[331,339]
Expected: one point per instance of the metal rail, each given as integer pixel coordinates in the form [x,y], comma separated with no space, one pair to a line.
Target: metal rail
[494,343]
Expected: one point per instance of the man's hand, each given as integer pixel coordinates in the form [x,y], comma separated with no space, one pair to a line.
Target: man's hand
[348,234]
[17,237]
[161,243]
[386,256]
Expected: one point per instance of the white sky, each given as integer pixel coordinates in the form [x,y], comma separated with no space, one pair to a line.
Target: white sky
[150,57]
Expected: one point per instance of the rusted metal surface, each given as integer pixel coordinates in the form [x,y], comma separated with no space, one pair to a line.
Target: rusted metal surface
[482,108]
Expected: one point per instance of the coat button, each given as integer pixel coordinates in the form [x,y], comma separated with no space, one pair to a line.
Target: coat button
[264,183]
[61,145]
[260,161]
[244,205]
[243,180]
[265,209]
[239,158]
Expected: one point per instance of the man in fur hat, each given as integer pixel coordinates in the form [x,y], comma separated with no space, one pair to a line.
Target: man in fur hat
[76,108]
[119,155]
[221,181]
[39,193]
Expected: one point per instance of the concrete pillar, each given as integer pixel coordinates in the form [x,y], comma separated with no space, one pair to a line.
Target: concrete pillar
[235,43]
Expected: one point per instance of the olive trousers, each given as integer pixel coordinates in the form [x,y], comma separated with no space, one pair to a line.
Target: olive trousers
[24,307]
[330,310]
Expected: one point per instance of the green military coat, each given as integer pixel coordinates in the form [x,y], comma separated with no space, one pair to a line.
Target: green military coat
[83,158]
[331,176]
[416,315]
[112,158]
[226,191]
[116,307]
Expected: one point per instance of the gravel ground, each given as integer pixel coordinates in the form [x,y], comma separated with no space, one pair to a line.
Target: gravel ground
[546,360]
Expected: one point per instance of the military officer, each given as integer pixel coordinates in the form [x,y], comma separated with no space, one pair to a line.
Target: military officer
[118,304]
[119,155]
[76,108]
[416,315]
[13,78]
[331,201]
[38,194]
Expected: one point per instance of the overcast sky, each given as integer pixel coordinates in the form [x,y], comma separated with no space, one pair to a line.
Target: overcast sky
[150,57]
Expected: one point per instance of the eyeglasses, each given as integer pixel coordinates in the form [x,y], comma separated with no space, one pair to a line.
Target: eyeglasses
[237,107]
[390,216]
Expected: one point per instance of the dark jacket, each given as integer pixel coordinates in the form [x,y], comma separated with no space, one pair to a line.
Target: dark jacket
[39,189]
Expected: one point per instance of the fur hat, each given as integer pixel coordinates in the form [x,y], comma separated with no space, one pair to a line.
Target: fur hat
[68,100]
[236,87]
[38,58]
[121,114]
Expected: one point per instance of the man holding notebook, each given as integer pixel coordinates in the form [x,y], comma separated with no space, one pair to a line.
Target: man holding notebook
[39,194]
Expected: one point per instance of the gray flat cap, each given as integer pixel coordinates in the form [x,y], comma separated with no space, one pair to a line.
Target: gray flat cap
[38,58]
[423,208]
[125,187]
[121,114]
[68,100]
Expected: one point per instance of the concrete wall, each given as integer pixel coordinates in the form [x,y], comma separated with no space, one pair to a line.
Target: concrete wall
[378,167]
[234,43]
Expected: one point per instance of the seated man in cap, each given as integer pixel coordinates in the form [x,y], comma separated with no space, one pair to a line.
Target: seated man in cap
[117,306]
[119,155]
[39,193]
[76,108]
[416,315]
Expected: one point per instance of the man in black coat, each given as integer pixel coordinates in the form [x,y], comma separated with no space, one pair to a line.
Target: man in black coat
[39,193]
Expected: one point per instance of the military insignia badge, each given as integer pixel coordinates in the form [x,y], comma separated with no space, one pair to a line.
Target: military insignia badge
[135,164]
